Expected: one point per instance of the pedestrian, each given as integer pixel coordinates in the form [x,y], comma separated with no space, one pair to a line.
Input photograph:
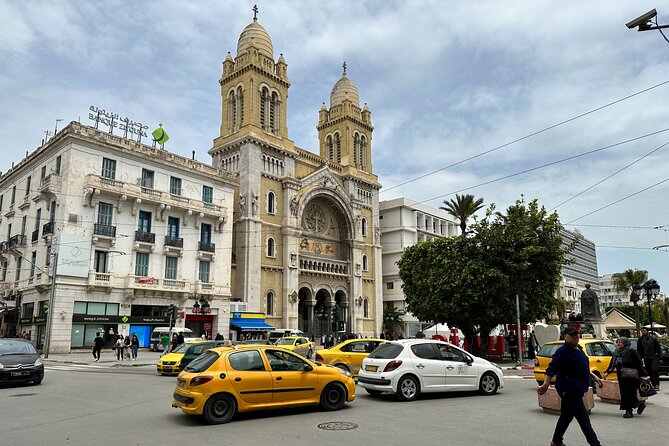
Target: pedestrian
[512,343]
[627,364]
[118,346]
[650,351]
[134,346]
[571,368]
[204,335]
[324,340]
[126,348]
[180,338]
[165,341]
[532,345]
[98,342]
[219,337]
[175,342]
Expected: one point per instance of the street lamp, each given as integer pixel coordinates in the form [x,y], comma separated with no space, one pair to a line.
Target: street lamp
[651,288]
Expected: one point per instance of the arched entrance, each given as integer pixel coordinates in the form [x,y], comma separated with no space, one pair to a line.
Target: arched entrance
[343,320]
[304,306]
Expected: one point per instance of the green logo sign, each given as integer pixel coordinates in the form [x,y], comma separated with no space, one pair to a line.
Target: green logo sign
[125,319]
[160,135]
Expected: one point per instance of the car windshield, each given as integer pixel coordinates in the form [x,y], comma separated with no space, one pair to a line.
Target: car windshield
[202,362]
[285,341]
[386,351]
[548,350]
[182,348]
[16,348]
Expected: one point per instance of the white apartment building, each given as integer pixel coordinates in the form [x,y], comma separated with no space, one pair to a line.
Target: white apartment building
[125,229]
[608,296]
[404,223]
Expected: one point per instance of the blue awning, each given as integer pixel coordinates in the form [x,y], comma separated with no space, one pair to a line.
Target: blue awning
[250,325]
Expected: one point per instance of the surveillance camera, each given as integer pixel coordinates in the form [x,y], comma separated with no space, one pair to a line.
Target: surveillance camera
[642,21]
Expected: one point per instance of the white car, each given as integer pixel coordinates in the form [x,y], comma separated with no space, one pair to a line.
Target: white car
[410,366]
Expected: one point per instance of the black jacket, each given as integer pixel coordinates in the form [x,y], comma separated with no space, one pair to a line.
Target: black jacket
[629,359]
[648,347]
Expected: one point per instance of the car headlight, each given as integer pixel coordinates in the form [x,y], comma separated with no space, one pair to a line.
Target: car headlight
[344,372]
[1,366]
[39,362]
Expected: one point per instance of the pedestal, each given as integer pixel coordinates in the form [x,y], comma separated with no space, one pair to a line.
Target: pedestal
[610,392]
[550,401]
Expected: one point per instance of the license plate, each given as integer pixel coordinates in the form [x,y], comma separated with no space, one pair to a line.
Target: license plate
[371,368]
[20,373]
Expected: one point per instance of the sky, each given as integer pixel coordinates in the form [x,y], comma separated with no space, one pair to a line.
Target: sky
[462,94]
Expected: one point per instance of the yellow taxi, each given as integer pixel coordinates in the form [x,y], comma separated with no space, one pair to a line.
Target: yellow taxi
[226,380]
[297,344]
[599,352]
[349,354]
[169,364]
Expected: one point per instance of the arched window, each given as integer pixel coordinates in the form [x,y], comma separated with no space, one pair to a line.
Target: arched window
[271,203]
[273,113]
[365,308]
[239,102]
[363,226]
[337,148]
[271,247]
[365,263]
[363,152]
[232,112]
[264,97]
[269,303]
[330,148]
[356,150]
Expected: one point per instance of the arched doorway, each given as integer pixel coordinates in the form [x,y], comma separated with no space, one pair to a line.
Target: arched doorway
[343,321]
[323,313]
[303,307]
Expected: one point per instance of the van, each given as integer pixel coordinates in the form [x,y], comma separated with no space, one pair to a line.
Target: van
[279,333]
[155,343]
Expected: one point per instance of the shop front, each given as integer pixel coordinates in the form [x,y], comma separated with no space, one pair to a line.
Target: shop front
[35,329]
[248,325]
[85,327]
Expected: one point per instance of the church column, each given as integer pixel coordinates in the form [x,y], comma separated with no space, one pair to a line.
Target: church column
[291,231]
[355,275]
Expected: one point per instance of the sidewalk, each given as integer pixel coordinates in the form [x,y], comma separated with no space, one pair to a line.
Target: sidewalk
[145,357]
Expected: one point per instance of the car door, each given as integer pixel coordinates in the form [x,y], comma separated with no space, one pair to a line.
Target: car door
[429,366]
[292,377]
[355,352]
[301,346]
[599,356]
[249,377]
[460,374]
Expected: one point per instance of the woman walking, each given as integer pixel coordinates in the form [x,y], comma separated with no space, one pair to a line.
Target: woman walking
[118,346]
[134,346]
[627,364]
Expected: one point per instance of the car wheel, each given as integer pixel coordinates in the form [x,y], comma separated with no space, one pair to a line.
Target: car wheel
[343,367]
[407,388]
[219,409]
[373,392]
[333,397]
[310,353]
[488,384]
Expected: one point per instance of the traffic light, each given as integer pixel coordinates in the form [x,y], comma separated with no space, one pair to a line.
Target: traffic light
[522,303]
[172,312]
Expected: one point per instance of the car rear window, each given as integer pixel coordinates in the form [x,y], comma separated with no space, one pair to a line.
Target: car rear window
[548,350]
[386,351]
[202,362]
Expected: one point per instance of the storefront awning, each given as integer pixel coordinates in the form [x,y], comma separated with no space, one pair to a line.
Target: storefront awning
[250,325]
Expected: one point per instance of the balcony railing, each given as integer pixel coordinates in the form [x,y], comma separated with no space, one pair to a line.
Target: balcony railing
[104,230]
[176,242]
[207,246]
[18,241]
[102,277]
[111,182]
[4,246]
[47,228]
[145,237]
[35,235]
[171,283]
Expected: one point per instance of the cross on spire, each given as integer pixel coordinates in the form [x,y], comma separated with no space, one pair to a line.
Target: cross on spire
[255,12]
[344,67]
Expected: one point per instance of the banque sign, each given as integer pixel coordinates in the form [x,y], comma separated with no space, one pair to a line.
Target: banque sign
[112,120]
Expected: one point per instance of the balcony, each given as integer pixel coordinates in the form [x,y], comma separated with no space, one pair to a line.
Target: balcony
[206,288]
[111,182]
[47,229]
[145,237]
[17,241]
[4,247]
[35,236]
[206,251]
[25,204]
[97,280]
[173,245]
[143,282]
[104,230]
[42,282]
[176,284]
[50,184]
[318,265]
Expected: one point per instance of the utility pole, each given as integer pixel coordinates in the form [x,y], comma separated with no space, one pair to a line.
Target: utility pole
[52,298]
[519,334]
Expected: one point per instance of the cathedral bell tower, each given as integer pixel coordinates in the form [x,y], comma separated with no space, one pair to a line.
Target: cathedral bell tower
[254,87]
[345,130]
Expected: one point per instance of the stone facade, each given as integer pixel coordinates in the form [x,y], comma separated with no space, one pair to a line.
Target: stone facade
[305,235]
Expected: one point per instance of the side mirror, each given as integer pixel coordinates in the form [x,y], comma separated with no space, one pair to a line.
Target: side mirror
[470,360]
[308,368]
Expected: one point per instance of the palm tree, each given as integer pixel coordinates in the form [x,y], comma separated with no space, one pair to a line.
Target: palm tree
[623,282]
[392,319]
[463,207]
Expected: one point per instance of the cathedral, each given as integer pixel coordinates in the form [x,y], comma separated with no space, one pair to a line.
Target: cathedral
[306,241]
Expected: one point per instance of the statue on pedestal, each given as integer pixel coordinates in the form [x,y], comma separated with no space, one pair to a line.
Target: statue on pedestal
[590,305]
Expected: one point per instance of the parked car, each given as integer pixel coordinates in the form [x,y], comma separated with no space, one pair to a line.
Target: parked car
[409,367]
[176,360]
[298,344]
[349,354]
[279,333]
[155,341]
[599,352]
[224,381]
[20,362]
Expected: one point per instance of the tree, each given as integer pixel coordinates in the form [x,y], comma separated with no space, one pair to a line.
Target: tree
[471,282]
[623,283]
[463,207]
[392,319]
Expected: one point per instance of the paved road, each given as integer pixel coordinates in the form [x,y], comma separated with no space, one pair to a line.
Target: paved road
[80,404]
